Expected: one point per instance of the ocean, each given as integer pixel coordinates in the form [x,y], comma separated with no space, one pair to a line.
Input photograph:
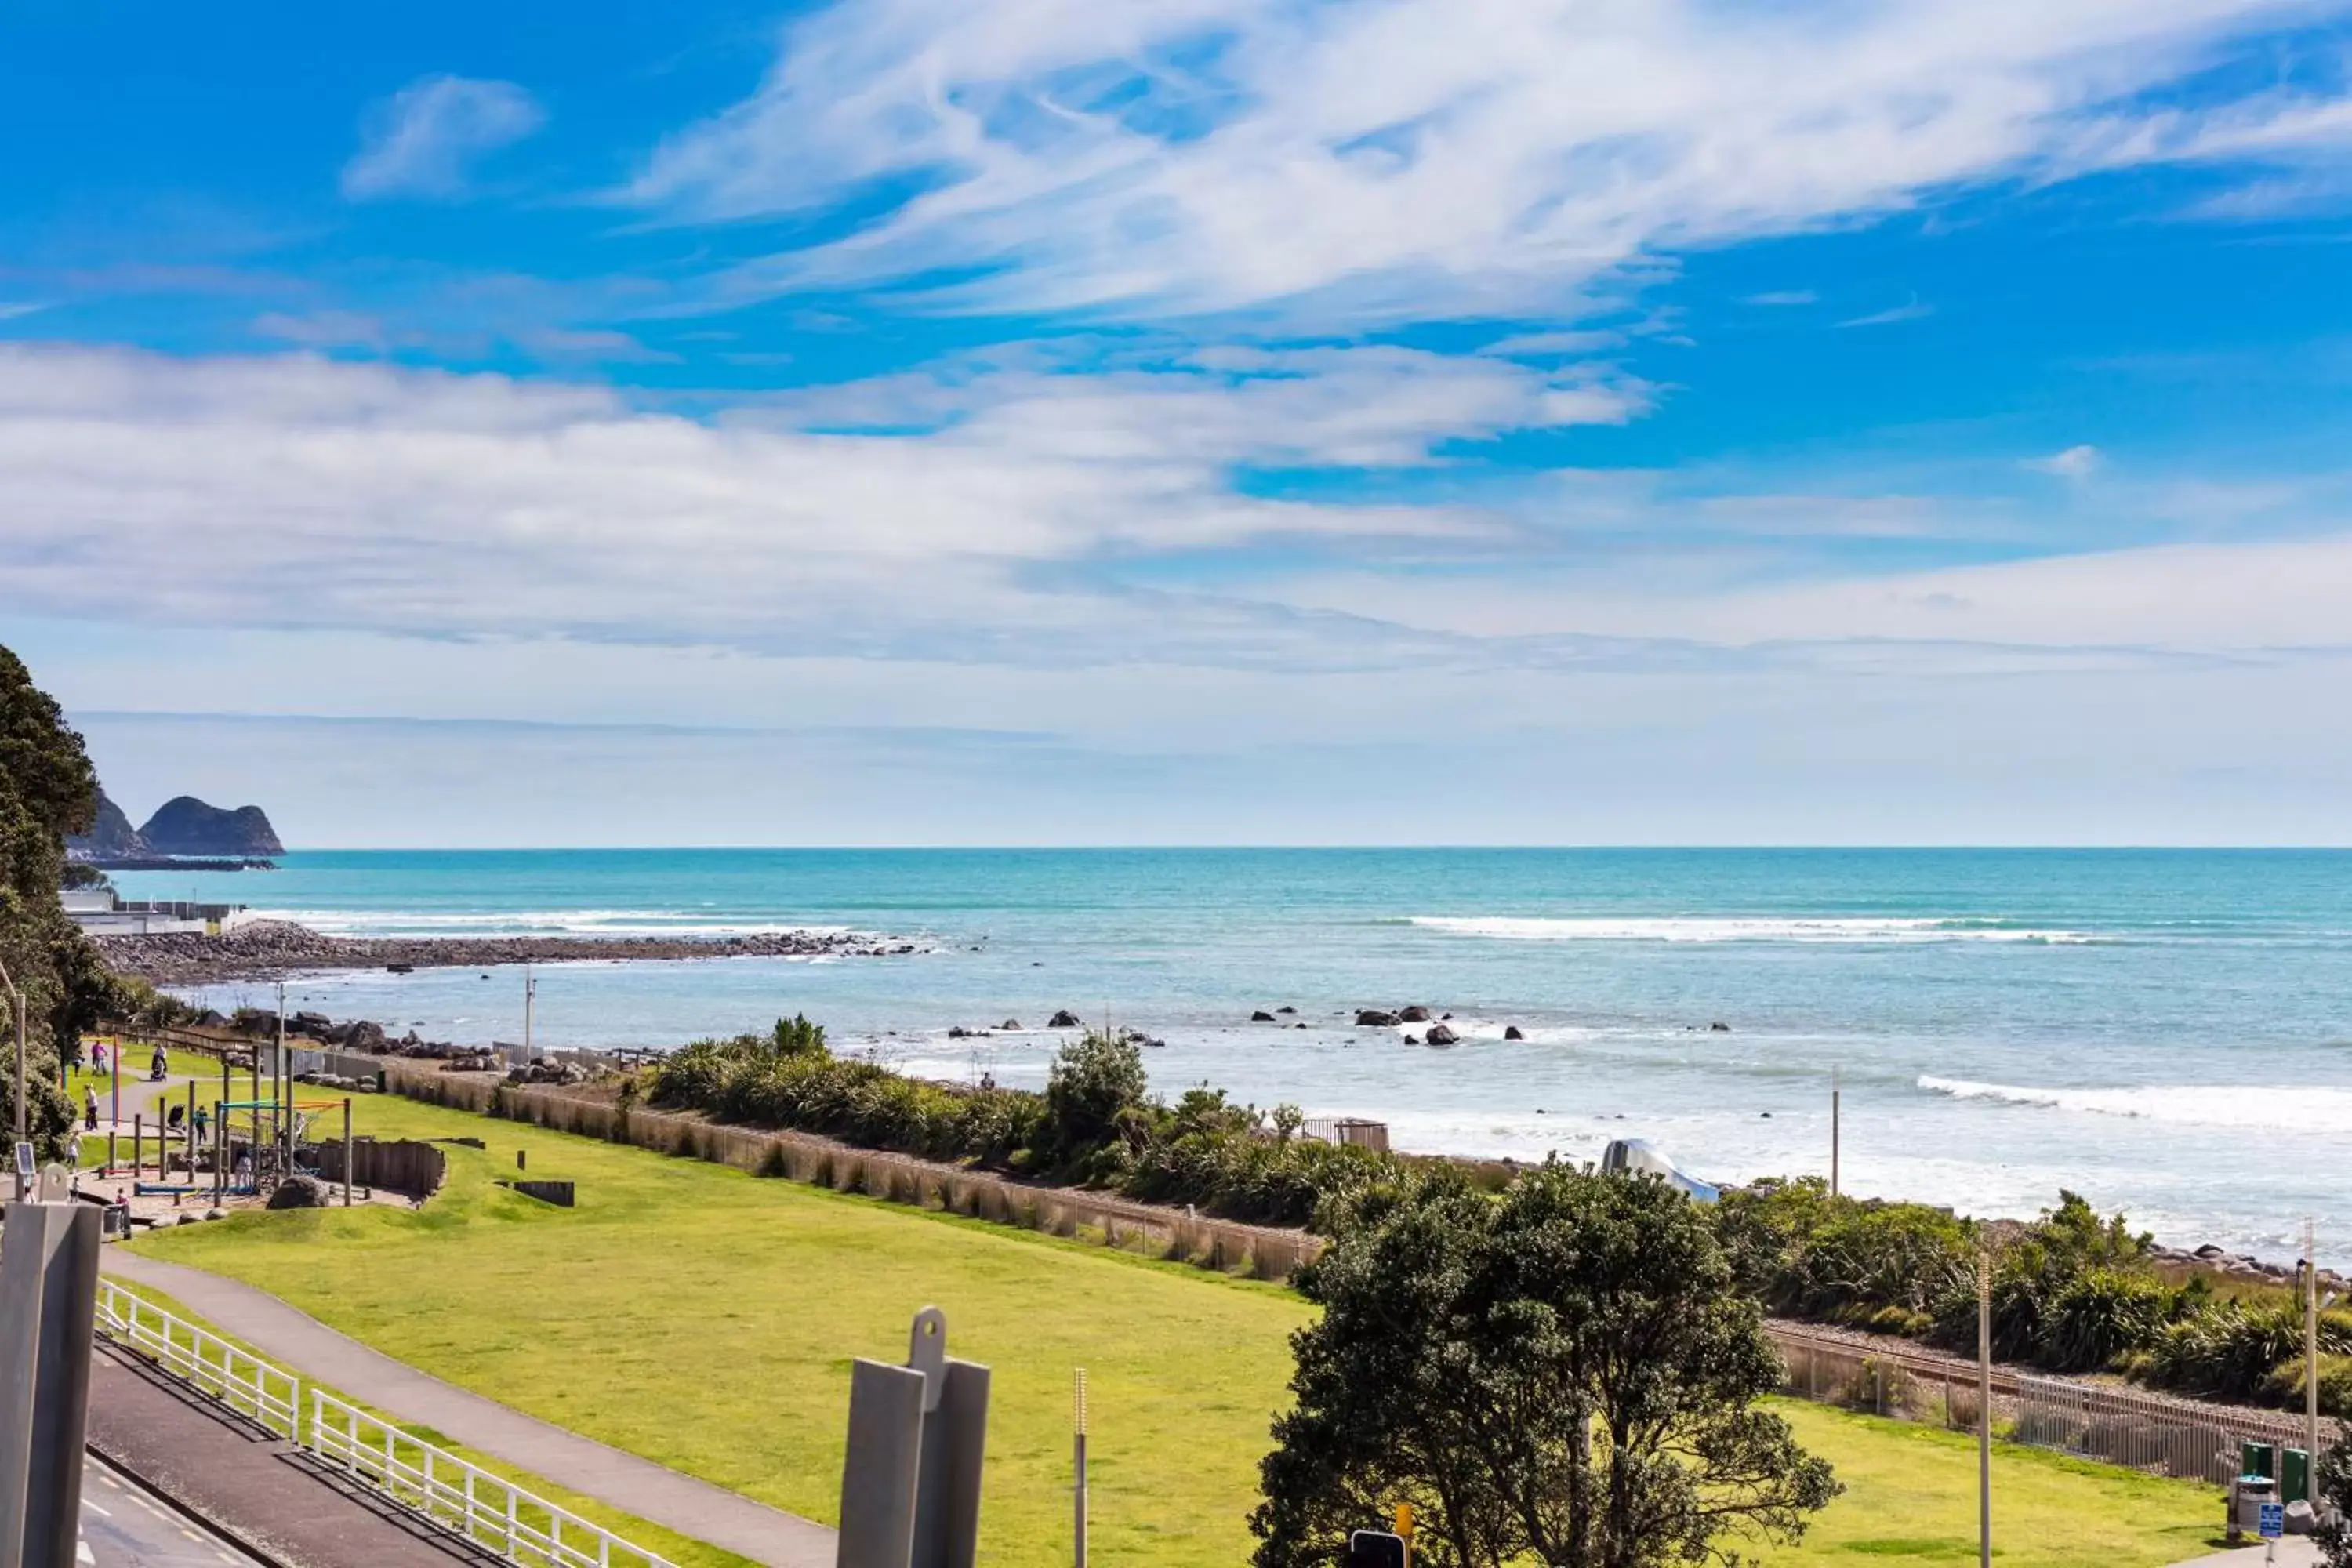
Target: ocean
[2169,1033]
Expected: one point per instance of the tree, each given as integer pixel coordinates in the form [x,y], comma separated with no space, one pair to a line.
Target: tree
[46,790]
[1564,1375]
[1094,1092]
[2334,1485]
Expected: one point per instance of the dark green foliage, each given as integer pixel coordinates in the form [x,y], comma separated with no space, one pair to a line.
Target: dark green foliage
[46,790]
[1566,1375]
[2333,1482]
[2236,1351]
[1093,1125]
[1807,1255]
[2102,1316]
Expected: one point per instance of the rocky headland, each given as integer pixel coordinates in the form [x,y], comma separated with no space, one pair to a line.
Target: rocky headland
[265,948]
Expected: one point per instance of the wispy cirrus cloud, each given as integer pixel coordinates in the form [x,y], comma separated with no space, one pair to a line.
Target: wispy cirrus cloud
[424,141]
[1417,161]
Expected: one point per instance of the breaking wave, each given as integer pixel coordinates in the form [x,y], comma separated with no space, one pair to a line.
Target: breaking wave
[2197,1105]
[1850,929]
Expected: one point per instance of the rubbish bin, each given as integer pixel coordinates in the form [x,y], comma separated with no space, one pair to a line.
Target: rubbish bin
[2258,1458]
[2246,1499]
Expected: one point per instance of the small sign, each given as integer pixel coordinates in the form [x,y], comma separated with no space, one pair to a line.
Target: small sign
[25,1162]
[2272,1522]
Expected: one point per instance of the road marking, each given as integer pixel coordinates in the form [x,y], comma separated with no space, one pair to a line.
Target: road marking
[95,1509]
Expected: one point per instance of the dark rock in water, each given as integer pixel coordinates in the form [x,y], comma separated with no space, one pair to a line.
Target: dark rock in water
[186,826]
[1285,1009]
[1261,1016]
[1512,1032]
[1447,1017]
[1011,1026]
[1413,1014]
[1373,1018]
[1439,1035]
[1412,1039]
[1720,1027]
[301,1192]
[1064,1019]
[365,1036]
[109,838]
[1298,1025]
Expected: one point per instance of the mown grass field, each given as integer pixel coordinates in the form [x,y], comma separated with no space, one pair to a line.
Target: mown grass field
[705,1320]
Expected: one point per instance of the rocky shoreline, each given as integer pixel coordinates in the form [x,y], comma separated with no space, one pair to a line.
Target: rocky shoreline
[265,948]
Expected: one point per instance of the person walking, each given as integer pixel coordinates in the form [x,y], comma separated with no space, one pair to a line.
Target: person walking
[89,1108]
[97,1057]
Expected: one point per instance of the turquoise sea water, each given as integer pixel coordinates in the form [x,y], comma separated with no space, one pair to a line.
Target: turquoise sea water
[2168,1031]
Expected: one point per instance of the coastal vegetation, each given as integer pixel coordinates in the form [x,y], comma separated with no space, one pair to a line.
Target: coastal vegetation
[734,1369]
[1567,1374]
[1094,1124]
[2071,1292]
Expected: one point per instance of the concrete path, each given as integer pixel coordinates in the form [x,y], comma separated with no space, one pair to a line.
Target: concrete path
[303,1344]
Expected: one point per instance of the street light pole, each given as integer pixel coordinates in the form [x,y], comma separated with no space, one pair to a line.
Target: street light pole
[529,988]
[24,1117]
[2311,1356]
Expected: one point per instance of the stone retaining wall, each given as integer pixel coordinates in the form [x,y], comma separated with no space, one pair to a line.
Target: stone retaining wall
[1262,1252]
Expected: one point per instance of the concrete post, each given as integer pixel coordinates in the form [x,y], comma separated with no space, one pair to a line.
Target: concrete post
[911,1478]
[49,1296]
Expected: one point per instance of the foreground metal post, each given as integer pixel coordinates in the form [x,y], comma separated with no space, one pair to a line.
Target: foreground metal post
[911,1480]
[1079,1457]
[2311,1358]
[49,1296]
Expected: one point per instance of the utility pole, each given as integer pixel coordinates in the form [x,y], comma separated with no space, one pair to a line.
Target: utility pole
[278,1096]
[1984,1408]
[24,1116]
[1836,1095]
[2311,1356]
[530,990]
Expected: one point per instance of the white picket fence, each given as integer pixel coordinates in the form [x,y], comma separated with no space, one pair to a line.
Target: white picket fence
[433,1484]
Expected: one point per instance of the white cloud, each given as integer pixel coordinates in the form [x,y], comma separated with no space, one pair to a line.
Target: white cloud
[296,491]
[1914,311]
[1421,158]
[1783,297]
[2079,462]
[424,141]
[12,309]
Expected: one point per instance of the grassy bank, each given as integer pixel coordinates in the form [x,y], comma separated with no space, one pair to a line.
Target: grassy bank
[705,1318]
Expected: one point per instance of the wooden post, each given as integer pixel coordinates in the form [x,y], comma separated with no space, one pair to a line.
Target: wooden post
[347,1151]
[138,1147]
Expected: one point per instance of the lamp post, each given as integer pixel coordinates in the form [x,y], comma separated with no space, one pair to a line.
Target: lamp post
[24,1114]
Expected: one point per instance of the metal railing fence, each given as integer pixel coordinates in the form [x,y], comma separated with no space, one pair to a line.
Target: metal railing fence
[444,1490]
[2187,1438]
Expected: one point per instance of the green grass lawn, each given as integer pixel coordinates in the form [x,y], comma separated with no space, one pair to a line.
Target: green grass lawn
[705,1320]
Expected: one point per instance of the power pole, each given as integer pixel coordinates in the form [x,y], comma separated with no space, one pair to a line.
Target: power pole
[1836,1095]
[2311,1356]
[529,989]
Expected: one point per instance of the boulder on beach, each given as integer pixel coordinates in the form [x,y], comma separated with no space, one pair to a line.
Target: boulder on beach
[1064,1019]
[1512,1032]
[1373,1018]
[1412,1039]
[1285,1009]
[1439,1035]
[1261,1016]
[1413,1014]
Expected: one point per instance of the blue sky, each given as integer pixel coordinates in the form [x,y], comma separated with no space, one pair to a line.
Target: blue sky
[1198,420]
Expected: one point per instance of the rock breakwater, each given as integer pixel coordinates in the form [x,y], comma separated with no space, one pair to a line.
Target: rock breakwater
[274,947]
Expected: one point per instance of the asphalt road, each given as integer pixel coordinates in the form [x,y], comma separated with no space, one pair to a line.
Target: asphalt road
[123,1527]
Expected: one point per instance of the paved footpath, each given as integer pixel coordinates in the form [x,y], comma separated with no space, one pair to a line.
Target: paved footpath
[2294,1552]
[303,1344]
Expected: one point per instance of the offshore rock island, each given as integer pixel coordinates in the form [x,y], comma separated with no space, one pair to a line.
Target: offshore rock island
[262,948]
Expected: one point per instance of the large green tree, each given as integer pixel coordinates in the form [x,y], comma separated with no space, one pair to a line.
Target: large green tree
[1566,1375]
[46,790]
